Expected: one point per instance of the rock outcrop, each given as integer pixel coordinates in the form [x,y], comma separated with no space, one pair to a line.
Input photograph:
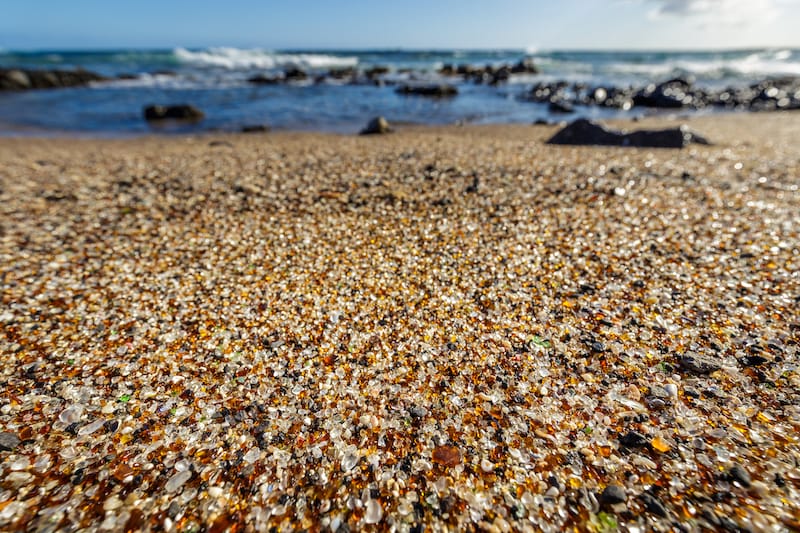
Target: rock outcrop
[585,132]
[433,91]
[27,79]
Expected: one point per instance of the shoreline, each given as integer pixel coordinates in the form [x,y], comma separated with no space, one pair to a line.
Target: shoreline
[441,328]
[746,126]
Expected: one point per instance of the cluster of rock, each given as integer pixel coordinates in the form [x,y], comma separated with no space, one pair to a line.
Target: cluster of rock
[25,79]
[677,93]
[440,90]
[370,76]
[493,75]
[375,75]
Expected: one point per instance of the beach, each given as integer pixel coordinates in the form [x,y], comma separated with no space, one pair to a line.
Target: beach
[442,328]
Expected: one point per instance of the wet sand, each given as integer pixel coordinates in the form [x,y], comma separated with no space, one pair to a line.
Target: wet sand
[442,328]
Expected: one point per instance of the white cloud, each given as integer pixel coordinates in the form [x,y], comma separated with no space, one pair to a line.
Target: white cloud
[721,12]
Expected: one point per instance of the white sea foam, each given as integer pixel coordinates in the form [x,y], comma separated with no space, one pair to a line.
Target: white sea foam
[238,58]
[767,63]
[176,82]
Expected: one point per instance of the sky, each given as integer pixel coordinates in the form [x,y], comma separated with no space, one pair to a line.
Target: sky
[292,24]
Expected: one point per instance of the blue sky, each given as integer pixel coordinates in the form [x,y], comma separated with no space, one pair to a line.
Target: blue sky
[546,24]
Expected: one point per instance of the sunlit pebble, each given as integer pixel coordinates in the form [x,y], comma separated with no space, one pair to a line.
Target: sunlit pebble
[374,512]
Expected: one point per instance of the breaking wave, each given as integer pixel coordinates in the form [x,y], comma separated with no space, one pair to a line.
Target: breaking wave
[238,59]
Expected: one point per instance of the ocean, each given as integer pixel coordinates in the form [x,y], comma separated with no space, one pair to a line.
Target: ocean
[216,81]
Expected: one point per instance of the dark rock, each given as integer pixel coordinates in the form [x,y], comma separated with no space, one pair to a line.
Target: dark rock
[738,474]
[561,106]
[633,439]
[220,143]
[23,79]
[374,72]
[699,364]
[613,494]
[598,347]
[255,128]
[710,515]
[295,74]
[14,80]
[263,79]
[182,112]
[464,69]
[585,132]
[377,126]
[342,73]
[654,505]
[433,91]
[525,66]
[447,70]
[669,138]
[8,441]
[671,94]
[753,360]
[500,75]
[541,122]
[473,187]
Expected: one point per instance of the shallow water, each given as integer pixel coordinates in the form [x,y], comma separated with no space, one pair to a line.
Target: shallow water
[215,80]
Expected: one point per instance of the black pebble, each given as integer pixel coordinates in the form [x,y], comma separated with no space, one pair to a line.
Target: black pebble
[739,474]
[654,505]
[633,439]
[613,494]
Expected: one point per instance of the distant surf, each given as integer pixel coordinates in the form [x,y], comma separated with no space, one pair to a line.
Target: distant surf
[236,58]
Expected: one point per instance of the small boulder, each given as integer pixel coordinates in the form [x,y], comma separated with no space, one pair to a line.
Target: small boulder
[376,71]
[432,91]
[14,80]
[377,126]
[525,66]
[23,79]
[561,107]
[182,112]
[342,73]
[585,132]
[447,70]
[295,74]
[255,128]
[671,94]
[263,79]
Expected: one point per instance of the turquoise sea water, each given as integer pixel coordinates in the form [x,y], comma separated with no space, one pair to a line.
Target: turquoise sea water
[215,80]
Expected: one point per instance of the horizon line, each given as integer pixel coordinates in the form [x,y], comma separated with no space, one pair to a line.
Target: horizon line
[528,50]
